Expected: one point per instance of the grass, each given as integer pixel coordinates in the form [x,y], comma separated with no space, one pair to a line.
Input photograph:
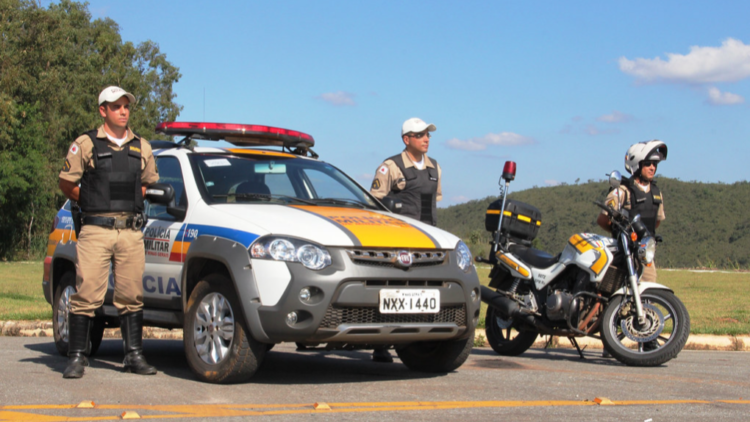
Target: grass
[718,303]
[21,296]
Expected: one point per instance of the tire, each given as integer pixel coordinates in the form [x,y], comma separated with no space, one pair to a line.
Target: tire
[499,334]
[216,353]
[60,311]
[436,356]
[649,346]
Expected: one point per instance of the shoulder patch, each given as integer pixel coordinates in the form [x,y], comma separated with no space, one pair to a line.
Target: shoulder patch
[383,169]
[74,149]
[375,184]
[66,166]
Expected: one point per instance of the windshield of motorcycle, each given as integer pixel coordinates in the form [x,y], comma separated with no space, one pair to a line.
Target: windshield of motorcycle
[259,179]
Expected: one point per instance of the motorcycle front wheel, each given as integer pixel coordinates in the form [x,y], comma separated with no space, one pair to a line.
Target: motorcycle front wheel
[501,336]
[659,340]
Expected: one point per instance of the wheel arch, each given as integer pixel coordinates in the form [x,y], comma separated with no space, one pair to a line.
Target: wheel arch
[212,254]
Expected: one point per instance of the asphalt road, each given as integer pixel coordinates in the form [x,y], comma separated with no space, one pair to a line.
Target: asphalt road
[541,384]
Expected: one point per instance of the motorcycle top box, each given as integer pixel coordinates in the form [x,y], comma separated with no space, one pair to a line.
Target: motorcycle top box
[520,220]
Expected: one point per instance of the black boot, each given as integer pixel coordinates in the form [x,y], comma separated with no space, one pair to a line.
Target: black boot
[382,355]
[78,343]
[131,326]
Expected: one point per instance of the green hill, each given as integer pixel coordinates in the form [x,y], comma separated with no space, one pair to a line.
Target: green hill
[707,224]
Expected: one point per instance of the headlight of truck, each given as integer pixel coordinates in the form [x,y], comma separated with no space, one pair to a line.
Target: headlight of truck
[464,256]
[647,249]
[287,249]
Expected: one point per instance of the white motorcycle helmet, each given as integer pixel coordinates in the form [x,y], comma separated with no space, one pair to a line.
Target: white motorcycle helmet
[655,150]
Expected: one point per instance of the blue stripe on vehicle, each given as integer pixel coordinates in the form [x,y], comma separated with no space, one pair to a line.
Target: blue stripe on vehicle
[193,231]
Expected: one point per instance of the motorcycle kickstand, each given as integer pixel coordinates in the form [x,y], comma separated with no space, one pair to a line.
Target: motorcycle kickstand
[575,343]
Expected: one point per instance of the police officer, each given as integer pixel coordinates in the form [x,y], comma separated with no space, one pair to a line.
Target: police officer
[113,166]
[639,194]
[412,178]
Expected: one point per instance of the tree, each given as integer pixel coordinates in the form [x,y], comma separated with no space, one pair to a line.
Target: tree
[53,64]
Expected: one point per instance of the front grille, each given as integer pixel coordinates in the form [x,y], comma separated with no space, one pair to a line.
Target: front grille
[389,258]
[408,283]
[336,316]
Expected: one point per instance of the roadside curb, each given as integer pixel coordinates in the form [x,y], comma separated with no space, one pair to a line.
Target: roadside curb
[695,341]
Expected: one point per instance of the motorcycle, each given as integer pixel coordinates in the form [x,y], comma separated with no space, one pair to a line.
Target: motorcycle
[591,289]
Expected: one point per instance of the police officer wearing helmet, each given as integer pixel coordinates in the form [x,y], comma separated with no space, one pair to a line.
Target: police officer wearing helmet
[639,194]
[412,178]
[113,166]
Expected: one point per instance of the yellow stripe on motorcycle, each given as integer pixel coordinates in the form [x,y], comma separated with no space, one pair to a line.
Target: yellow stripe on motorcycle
[513,264]
[583,246]
[505,213]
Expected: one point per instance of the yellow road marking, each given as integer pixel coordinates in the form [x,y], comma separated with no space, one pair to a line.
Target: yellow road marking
[225,410]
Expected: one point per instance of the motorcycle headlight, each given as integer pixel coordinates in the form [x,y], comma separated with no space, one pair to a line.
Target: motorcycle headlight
[464,256]
[647,249]
[311,256]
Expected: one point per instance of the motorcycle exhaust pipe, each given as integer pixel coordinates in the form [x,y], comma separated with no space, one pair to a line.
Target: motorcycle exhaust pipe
[510,309]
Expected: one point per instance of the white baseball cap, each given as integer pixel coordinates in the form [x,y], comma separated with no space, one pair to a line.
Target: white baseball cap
[111,94]
[416,125]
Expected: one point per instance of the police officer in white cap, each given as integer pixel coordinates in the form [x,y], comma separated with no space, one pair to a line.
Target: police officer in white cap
[113,166]
[411,176]
[414,179]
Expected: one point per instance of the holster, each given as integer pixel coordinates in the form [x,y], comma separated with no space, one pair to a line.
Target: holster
[77,216]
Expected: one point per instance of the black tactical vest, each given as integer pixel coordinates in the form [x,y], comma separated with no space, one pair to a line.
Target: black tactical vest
[644,203]
[420,192]
[114,184]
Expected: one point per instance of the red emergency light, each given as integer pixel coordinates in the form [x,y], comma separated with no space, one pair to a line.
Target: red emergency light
[237,134]
[509,171]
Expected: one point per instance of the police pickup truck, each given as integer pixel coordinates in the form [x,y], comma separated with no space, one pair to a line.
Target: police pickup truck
[248,246]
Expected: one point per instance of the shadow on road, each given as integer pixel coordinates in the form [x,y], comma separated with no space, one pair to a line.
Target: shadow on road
[282,365]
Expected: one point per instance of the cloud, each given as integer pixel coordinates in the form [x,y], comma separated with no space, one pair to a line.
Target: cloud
[728,63]
[723,98]
[480,144]
[459,199]
[338,98]
[595,131]
[551,182]
[615,117]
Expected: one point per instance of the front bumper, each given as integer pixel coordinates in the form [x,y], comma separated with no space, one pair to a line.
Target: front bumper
[344,308]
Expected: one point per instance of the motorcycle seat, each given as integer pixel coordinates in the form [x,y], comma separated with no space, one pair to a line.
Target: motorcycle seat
[533,257]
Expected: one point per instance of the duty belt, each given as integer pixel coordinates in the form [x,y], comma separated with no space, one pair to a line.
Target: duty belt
[119,223]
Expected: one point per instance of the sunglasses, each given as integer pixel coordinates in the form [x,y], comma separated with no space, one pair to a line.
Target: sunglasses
[649,163]
[419,135]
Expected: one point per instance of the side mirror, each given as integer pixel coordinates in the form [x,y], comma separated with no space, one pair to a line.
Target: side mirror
[614,179]
[160,193]
[394,205]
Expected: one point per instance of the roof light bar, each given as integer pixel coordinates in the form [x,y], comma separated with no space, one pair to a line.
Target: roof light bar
[237,134]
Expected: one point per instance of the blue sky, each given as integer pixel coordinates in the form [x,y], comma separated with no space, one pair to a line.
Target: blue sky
[562,88]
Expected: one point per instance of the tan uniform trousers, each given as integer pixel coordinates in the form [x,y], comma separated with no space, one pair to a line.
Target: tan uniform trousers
[649,273]
[97,248]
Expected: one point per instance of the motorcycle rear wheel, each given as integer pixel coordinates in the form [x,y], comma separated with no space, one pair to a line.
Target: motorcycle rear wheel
[659,341]
[500,335]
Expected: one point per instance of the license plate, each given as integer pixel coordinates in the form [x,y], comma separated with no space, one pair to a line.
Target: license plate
[399,301]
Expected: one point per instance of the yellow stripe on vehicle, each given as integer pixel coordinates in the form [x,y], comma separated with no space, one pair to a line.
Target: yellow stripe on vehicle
[373,229]
[583,246]
[524,218]
[513,264]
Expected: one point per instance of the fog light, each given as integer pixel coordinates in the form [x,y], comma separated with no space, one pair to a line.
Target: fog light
[473,295]
[291,318]
[305,294]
